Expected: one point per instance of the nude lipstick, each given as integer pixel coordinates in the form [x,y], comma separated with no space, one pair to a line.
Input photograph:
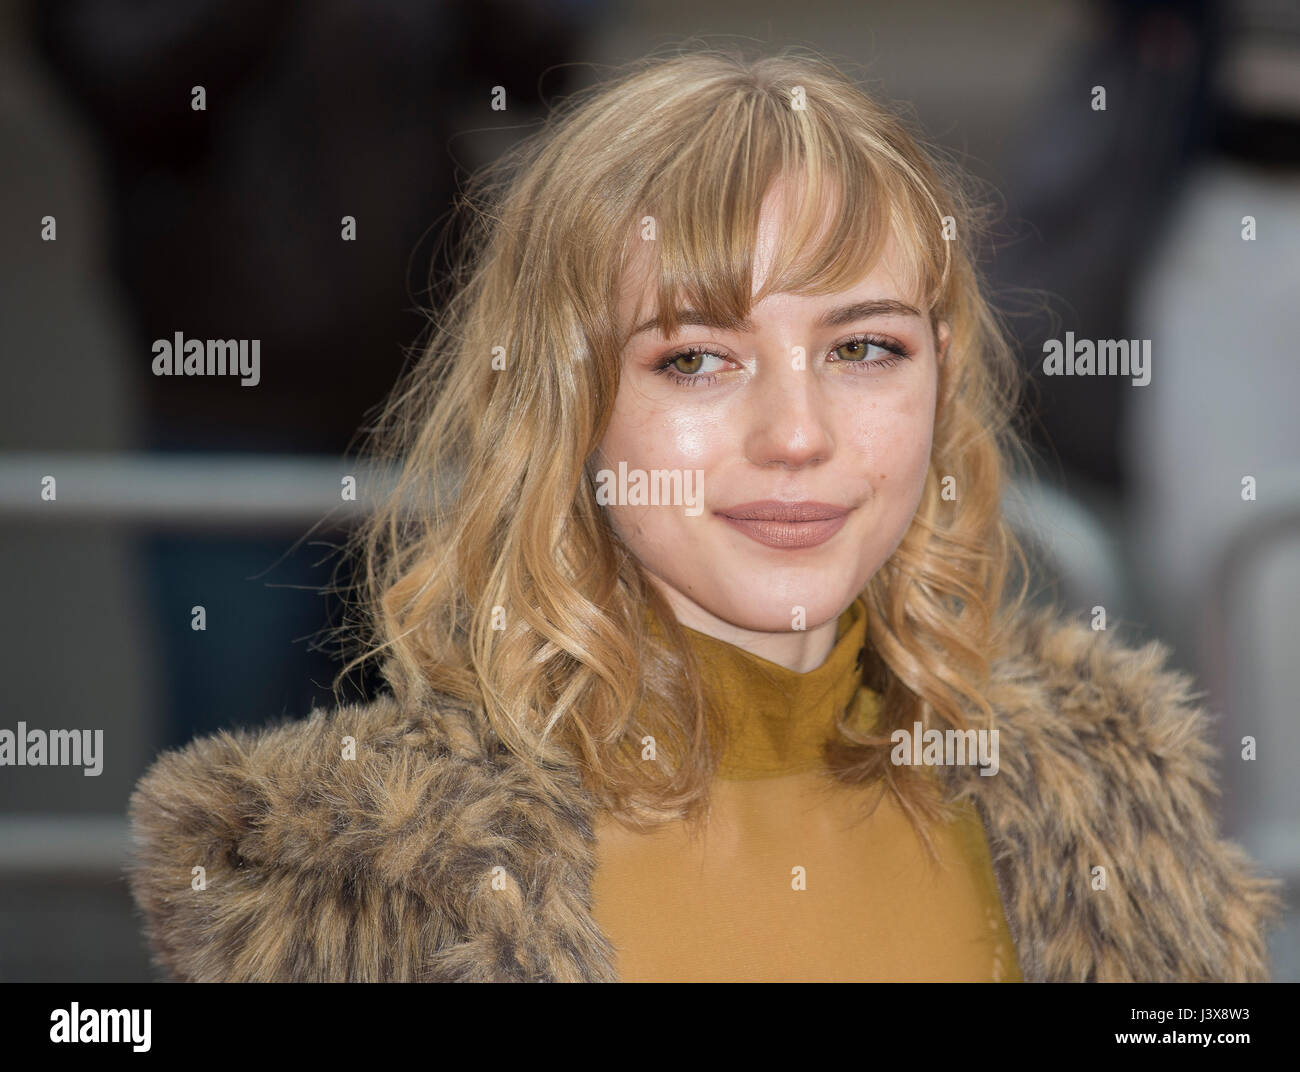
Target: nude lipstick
[786,526]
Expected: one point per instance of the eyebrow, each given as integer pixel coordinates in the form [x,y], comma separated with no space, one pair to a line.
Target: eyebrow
[843,314]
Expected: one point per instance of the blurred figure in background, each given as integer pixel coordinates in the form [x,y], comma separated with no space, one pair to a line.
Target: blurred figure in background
[1088,191]
[227,223]
[1214,444]
[1172,216]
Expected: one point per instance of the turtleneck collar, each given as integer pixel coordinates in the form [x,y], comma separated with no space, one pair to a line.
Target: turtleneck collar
[779,720]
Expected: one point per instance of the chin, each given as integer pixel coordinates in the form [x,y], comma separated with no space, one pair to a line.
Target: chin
[766,604]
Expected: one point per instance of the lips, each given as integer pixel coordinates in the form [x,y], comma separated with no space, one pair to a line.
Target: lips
[786,525]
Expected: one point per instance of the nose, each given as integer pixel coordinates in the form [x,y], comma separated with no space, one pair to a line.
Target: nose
[787,410]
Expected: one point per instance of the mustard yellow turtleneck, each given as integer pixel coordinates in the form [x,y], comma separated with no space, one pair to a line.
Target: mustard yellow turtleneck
[790,883]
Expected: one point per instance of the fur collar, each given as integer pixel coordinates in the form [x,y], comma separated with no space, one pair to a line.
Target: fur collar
[435,854]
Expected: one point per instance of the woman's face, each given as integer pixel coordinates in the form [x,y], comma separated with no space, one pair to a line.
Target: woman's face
[746,430]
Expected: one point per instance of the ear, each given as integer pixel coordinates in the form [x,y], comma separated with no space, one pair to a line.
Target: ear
[943,336]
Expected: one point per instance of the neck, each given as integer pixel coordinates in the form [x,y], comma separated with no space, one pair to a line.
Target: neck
[799,650]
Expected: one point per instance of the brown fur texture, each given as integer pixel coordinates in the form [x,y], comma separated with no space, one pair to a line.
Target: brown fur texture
[381,868]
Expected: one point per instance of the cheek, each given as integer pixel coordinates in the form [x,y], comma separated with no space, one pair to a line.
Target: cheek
[892,437]
[646,435]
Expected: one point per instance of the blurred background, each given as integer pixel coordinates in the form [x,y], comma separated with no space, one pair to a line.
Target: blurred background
[176,492]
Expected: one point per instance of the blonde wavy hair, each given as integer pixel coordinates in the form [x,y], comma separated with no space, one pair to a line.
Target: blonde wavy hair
[491,574]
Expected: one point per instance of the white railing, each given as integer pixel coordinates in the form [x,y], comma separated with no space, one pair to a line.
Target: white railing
[210,490]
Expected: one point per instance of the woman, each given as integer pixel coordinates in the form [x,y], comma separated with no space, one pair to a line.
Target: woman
[691,604]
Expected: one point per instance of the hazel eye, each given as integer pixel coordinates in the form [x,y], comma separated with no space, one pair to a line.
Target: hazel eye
[685,368]
[688,364]
[854,350]
[856,353]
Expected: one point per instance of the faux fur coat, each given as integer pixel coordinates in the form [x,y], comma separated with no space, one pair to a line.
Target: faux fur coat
[437,855]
